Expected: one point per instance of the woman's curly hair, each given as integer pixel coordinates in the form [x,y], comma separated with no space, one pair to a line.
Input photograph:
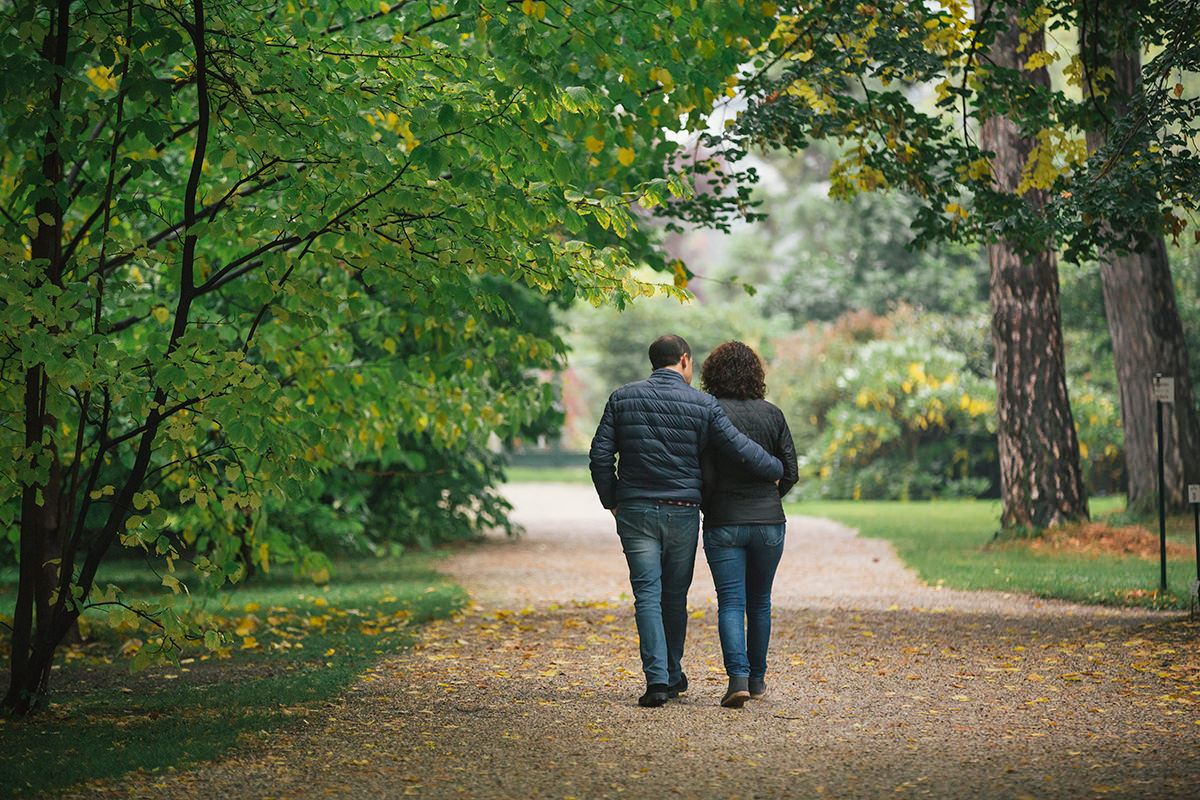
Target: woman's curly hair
[734,370]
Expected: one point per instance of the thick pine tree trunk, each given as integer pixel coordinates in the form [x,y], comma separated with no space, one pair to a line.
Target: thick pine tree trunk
[1139,300]
[1147,338]
[1041,482]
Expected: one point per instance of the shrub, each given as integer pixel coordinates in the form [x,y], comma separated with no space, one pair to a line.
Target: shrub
[906,421]
[903,406]
[1101,440]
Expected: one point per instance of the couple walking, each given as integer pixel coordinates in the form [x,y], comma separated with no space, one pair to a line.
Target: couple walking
[664,451]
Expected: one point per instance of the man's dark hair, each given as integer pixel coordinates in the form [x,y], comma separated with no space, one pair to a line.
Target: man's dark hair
[667,350]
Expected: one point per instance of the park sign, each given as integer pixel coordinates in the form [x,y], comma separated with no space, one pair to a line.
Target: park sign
[1164,389]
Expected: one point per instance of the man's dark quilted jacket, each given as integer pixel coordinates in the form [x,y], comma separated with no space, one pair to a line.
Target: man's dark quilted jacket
[735,496]
[659,427]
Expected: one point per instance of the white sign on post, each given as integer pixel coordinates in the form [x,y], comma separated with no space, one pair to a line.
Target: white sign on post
[1194,492]
[1164,389]
[1195,588]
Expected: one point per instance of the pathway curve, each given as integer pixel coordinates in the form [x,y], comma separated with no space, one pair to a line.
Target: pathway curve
[879,687]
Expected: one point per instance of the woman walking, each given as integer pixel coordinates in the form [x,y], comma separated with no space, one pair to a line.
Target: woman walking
[743,518]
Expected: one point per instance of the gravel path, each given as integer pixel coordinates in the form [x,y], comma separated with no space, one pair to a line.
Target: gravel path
[879,687]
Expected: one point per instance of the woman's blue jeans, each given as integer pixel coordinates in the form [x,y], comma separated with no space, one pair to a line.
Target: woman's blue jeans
[659,540]
[743,559]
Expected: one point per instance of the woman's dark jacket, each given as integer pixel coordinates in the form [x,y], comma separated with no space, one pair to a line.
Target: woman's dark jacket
[736,496]
[659,427]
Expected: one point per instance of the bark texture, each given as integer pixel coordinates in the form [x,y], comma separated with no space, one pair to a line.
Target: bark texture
[1041,482]
[1139,294]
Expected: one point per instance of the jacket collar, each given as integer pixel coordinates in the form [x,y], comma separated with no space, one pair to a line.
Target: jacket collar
[667,374]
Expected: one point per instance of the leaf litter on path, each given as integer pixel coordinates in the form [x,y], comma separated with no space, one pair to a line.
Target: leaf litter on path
[875,690]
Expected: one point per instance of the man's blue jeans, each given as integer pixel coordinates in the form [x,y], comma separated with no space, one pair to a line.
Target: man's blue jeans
[659,540]
[743,559]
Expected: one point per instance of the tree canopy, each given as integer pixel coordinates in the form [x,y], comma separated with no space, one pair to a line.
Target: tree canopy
[905,88]
[249,242]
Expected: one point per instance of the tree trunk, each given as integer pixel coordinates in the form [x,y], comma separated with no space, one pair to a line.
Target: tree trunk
[40,518]
[1147,338]
[1139,296]
[1041,483]
[41,621]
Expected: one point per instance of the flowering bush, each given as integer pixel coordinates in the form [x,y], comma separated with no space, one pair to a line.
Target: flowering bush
[906,421]
[1101,440]
[903,406]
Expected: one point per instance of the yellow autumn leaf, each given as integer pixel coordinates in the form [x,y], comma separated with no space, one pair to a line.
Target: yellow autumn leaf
[625,155]
[161,314]
[593,144]
[102,78]
[249,643]
[680,273]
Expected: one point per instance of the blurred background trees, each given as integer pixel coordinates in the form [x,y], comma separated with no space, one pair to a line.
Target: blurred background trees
[888,389]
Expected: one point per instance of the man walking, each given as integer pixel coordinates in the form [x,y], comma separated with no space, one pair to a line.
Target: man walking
[645,463]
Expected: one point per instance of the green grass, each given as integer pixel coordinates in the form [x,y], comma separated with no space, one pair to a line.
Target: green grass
[951,543]
[575,475]
[308,644]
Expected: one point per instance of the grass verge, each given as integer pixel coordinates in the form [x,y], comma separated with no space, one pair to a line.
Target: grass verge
[293,647]
[951,543]
[573,475]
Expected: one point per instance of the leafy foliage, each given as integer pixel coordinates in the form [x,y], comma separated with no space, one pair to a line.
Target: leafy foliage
[902,89]
[907,422]
[815,260]
[250,244]
[902,407]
